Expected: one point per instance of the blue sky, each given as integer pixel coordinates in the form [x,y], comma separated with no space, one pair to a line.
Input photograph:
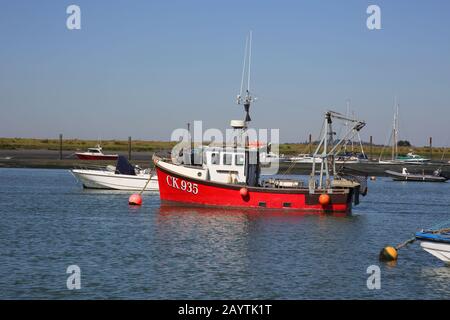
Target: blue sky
[144,68]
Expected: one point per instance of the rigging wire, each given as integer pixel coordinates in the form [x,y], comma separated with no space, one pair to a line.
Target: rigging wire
[244,67]
[249,61]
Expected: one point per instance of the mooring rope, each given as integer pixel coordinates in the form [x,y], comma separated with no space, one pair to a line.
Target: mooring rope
[146,184]
[409,241]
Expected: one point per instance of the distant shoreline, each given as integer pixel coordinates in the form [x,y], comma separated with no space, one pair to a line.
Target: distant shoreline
[40,158]
[49,159]
[139,146]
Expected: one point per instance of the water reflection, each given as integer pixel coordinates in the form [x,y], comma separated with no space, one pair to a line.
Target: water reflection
[168,210]
[437,279]
[215,251]
[201,250]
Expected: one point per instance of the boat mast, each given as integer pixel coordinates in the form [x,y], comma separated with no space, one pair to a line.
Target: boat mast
[346,124]
[329,150]
[252,169]
[248,99]
[327,138]
[395,131]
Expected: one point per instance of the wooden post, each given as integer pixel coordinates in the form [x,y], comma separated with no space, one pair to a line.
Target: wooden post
[129,148]
[431,148]
[310,143]
[60,146]
[370,148]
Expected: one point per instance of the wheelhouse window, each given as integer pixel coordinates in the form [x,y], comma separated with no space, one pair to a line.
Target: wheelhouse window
[227,159]
[239,159]
[215,159]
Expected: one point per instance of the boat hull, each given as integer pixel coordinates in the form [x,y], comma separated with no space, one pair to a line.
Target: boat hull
[305,160]
[436,243]
[176,188]
[94,179]
[437,249]
[82,156]
[414,177]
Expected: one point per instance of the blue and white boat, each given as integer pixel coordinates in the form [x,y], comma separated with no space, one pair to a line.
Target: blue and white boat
[436,242]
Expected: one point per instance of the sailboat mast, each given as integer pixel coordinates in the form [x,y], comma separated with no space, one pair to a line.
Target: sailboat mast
[396,131]
[393,139]
[346,123]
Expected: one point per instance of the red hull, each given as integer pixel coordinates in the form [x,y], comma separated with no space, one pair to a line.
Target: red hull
[96,157]
[183,190]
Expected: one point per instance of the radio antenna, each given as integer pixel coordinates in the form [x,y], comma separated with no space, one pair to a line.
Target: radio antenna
[248,99]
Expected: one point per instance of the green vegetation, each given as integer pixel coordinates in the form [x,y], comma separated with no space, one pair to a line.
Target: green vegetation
[149,146]
[82,145]
[296,148]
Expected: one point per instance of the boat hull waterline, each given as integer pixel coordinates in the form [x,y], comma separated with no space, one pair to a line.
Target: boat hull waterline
[95,179]
[176,188]
[86,156]
[396,176]
[439,250]
[437,244]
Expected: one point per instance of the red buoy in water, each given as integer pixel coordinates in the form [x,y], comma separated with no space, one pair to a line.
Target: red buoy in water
[324,199]
[243,192]
[135,199]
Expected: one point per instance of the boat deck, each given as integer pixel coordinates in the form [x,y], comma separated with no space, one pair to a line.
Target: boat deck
[434,237]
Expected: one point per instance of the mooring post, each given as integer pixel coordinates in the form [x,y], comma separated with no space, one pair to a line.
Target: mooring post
[129,148]
[370,148]
[60,146]
[431,148]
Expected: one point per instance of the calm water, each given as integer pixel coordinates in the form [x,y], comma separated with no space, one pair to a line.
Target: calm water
[48,222]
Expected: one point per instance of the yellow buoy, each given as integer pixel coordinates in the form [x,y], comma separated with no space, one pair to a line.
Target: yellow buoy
[388,254]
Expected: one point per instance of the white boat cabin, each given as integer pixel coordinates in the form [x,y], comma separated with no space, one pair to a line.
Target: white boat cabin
[223,165]
[96,150]
[219,164]
[232,163]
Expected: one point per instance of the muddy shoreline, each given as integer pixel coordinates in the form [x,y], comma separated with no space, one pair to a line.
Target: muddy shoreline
[49,159]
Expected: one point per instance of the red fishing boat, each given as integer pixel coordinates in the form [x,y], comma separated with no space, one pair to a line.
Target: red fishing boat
[230,175]
[95,153]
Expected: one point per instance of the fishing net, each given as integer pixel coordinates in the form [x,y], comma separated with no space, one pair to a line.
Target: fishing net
[355,176]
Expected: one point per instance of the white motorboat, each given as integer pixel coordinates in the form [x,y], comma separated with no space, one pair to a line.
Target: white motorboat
[351,157]
[436,243]
[95,154]
[121,177]
[386,162]
[305,158]
[270,157]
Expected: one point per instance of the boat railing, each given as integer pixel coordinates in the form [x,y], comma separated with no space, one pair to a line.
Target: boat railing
[282,183]
[107,168]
